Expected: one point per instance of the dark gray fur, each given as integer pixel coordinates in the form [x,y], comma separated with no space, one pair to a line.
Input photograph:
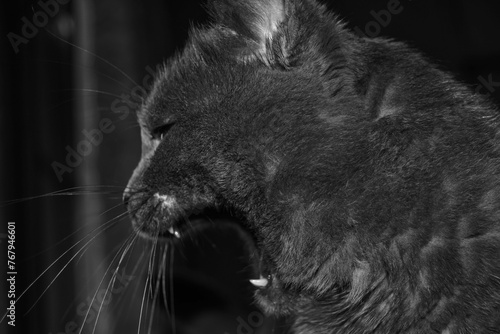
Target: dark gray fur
[368,178]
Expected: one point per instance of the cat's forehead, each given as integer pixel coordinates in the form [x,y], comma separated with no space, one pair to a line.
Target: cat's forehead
[193,81]
[169,94]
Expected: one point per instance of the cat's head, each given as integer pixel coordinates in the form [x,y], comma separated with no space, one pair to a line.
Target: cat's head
[255,116]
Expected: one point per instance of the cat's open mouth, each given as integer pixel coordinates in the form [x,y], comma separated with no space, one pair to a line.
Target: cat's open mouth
[196,224]
[150,222]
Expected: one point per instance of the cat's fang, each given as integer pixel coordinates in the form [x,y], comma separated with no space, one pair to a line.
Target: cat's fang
[260,283]
[174,232]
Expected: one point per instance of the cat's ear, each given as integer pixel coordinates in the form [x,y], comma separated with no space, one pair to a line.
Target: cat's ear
[258,21]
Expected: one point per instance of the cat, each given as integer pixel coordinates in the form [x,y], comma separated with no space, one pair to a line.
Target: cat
[367,179]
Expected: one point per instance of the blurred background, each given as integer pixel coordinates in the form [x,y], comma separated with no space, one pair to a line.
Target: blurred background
[71,75]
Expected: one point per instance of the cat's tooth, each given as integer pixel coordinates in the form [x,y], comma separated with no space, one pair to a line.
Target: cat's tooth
[174,232]
[260,283]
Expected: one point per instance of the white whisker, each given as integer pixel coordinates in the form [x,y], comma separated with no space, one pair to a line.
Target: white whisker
[130,241]
[172,289]
[109,224]
[95,55]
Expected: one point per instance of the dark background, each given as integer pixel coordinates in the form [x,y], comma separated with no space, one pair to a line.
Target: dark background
[67,78]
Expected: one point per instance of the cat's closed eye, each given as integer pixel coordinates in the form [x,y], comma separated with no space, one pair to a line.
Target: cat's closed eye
[160,132]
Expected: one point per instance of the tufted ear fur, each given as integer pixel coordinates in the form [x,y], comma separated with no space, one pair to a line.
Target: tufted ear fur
[283,33]
[258,21]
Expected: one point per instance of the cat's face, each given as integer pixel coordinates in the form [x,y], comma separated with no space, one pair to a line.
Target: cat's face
[241,121]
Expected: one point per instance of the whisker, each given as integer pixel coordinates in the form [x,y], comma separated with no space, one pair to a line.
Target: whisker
[153,253]
[172,289]
[149,273]
[95,55]
[115,249]
[142,304]
[163,283]
[132,126]
[100,230]
[123,214]
[118,218]
[134,271]
[151,265]
[87,67]
[130,241]
[157,287]
[82,190]
[109,224]
[88,90]
[113,276]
